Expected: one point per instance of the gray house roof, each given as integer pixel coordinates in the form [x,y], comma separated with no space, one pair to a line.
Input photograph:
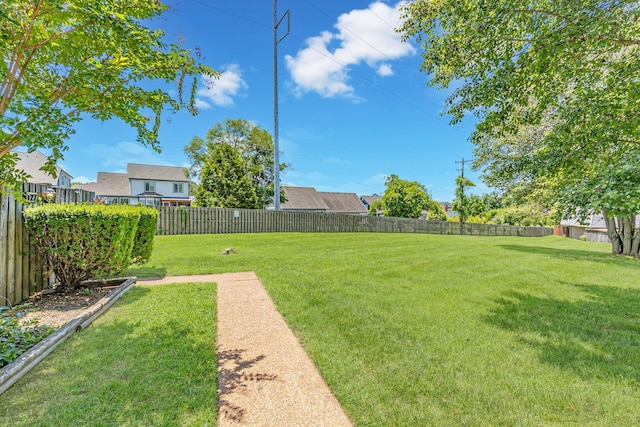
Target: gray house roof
[156,173]
[109,184]
[310,200]
[343,202]
[31,164]
[303,199]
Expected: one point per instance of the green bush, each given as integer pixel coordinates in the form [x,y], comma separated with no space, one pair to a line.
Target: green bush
[83,242]
[525,215]
[143,242]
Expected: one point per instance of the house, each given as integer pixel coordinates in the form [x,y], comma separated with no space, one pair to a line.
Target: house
[593,229]
[307,199]
[149,185]
[32,163]
[367,201]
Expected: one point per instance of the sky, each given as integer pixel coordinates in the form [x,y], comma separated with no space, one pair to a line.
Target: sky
[353,105]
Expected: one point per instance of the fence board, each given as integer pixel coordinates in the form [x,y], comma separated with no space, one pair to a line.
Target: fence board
[4,218]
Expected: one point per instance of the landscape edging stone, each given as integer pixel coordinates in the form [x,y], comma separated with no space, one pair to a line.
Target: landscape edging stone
[23,364]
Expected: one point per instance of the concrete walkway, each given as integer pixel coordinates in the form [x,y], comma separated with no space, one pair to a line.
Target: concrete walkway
[265,378]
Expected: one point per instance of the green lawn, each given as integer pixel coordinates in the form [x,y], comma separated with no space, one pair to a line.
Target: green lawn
[149,360]
[407,329]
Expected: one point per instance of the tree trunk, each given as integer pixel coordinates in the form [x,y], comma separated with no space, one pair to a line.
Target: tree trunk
[635,244]
[616,241]
[627,223]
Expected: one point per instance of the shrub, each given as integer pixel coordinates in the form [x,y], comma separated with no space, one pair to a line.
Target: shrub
[83,242]
[526,215]
[143,242]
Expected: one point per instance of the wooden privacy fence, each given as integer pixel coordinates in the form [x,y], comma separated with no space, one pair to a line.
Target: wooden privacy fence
[22,272]
[183,220]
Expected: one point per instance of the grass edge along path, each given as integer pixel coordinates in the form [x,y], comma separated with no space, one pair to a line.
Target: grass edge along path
[149,360]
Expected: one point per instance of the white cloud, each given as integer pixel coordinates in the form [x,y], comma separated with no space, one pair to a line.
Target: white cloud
[202,105]
[377,179]
[221,91]
[115,157]
[83,179]
[336,161]
[306,179]
[385,70]
[363,36]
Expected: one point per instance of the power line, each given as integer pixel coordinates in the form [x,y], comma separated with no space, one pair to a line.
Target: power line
[363,77]
[376,15]
[331,58]
[235,15]
[351,32]
[462,167]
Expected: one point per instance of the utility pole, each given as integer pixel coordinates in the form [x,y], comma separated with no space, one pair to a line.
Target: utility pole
[276,143]
[462,167]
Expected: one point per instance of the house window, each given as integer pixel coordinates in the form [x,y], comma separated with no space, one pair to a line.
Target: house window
[150,186]
[177,187]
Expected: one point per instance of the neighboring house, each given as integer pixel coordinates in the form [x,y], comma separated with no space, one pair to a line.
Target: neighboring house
[307,199]
[32,163]
[165,185]
[448,211]
[367,201]
[594,228]
[111,188]
[148,185]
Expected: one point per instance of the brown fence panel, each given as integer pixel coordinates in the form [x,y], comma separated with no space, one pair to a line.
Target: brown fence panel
[182,220]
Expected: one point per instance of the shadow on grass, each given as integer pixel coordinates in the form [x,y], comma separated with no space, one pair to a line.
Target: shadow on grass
[120,373]
[594,337]
[575,255]
[133,295]
[148,272]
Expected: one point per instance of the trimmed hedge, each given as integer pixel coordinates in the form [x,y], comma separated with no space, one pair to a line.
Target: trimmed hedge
[84,242]
[143,242]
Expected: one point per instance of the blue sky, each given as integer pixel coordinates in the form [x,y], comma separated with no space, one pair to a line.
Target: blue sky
[353,104]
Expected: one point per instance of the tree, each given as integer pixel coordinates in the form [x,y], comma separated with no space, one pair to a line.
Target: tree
[255,146]
[436,212]
[553,85]
[375,207]
[224,182]
[65,59]
[405,199]
[462,203]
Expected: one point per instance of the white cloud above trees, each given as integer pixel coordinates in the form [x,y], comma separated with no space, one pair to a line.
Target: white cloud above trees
[222,90]
[362,36]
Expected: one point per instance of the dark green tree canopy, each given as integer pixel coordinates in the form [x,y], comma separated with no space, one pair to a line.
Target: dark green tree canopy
[554,87]
[224,182]
[255,146]
[63,58]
